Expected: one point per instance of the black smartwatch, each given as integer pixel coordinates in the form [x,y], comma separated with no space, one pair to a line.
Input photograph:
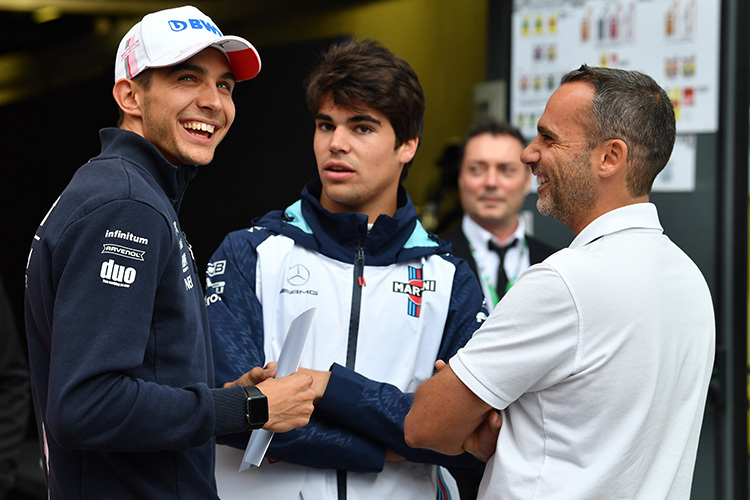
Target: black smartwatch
[256,408]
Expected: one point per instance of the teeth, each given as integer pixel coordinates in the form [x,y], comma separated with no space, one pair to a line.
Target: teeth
[205,127]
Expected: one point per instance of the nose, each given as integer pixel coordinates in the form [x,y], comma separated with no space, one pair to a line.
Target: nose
[530,155]
[209,98]
[339,142]
[492,176]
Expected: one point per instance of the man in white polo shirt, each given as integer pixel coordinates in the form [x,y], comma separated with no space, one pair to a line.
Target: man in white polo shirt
[599,358]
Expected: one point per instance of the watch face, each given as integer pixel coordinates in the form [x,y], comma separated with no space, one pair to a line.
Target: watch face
[256,408]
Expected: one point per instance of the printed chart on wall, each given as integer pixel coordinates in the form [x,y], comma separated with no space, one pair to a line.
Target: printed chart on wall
[674,41]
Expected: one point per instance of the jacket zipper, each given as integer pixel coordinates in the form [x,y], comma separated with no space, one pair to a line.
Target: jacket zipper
[359,282]
[351,349]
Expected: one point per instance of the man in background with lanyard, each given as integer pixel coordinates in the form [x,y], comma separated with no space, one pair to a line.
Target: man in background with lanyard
[493,184]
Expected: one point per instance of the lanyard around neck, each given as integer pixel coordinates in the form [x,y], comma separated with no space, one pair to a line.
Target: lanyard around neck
[494,295]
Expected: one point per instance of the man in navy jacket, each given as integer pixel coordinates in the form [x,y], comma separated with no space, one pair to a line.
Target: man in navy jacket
[120,353]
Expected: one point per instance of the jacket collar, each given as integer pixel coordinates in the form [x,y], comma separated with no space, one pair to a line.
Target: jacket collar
[143,155]
[341,235]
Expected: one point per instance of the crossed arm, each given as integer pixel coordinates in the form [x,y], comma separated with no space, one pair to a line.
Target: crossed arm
[448,417]
[480,443]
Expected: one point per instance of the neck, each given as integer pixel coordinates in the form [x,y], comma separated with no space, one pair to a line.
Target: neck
[581,225]
[503,231]
[371,210]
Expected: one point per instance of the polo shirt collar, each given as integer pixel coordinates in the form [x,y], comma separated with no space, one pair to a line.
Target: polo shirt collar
[638,215]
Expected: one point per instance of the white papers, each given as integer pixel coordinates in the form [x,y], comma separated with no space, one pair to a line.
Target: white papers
[288,363]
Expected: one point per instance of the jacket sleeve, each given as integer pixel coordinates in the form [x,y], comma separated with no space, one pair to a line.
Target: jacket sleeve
[377,410]
[236,318]
[234,311]
[103,388]
[467,310]
[321,445]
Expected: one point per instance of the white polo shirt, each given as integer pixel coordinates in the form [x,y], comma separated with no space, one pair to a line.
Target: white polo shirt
[600,359]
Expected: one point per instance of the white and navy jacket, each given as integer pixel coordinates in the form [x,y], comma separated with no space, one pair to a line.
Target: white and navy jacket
[390,301]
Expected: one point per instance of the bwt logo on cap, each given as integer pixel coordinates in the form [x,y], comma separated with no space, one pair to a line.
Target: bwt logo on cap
[172,36]
[196,24]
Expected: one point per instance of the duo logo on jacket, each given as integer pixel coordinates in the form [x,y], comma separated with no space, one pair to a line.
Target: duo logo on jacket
[414,289]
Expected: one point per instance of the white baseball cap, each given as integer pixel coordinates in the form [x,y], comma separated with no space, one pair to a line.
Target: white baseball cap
[171,36]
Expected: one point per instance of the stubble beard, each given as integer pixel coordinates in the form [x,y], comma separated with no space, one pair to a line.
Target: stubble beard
[573,193]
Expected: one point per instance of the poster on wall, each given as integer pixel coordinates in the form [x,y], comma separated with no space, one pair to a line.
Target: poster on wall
[679,173]
[676,42]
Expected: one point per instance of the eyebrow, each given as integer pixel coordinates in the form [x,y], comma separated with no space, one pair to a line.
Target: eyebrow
[194,68]
[353,119]
[544,130]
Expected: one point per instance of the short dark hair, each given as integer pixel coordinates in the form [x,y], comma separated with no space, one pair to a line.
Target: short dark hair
[144,79]
[493,127]
[355,73]
[630,106]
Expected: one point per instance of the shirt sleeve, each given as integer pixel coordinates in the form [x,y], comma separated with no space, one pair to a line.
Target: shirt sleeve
[529,342]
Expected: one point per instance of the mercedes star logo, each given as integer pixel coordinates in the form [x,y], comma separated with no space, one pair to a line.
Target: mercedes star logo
[298,275]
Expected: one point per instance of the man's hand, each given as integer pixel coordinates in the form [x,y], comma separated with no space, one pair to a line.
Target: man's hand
[255,376]
[483,441]
[320,381]
[290,401]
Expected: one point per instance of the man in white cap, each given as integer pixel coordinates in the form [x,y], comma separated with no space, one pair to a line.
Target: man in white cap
[120,354]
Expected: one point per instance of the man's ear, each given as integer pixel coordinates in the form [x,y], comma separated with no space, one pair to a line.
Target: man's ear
[128,97]
[407,150]
[613,156]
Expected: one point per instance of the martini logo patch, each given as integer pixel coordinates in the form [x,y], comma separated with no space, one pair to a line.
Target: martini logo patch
[414,288]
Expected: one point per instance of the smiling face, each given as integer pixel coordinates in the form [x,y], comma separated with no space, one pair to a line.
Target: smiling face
[187,109]
[358,163]
[493,182]
[561,158]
